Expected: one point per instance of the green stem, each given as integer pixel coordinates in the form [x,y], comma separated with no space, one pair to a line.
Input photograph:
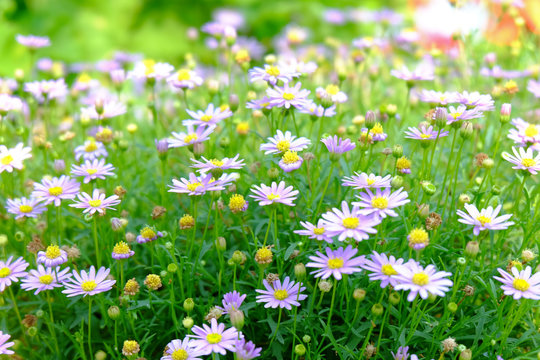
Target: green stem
[90,327]
[96,243]
[277,327]
[332,303]
[324,190]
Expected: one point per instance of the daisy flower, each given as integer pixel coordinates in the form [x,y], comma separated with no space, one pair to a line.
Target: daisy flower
[45,278]
[148,234]
[246,350]
[476,100]
[185,79]
[412,276]
[525,134]
[283,295]
[520,284]
[25,207]
[331,92]
[11,271]
[461,113]
[195,185]
[56,189]
[424,133]
[318,110]
[122,251]
[524,160]
[182,349]
[376,133]
[211,116]
[336,262]
[97,202]
[214,338]
[93,169]
[418,238]
[382,202]
[382,268]
[314,232]
[347,223]
[9,103]
[192,136]
[258,104]
[106,110]
[365,181]
[4,344]
[272,74]
[88,283]
[424,71]
[267,195]
[32,41]
[336,145]
[284,142]
[47,90]
[290,161]
[206,165]
[402,353]
[52,256]
[287,96]
[13,158]
[437,97]
[534,87]
[485,219]
[90,150]
[231,300]
[149,69]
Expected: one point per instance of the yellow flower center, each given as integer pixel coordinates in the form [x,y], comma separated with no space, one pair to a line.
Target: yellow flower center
[183,75]
[149,66]
[388,270]
[84,78]
[272,196]
[483,219]
[403,163]
[193,186]
[531,131]
[179,354]
[528,162]
[216,162]
[379,202]
[455,115]
[6,160]
[237,202]
[370,181]
[283,145]
[521,285]
[206,118]
[148,233]
[46,279]
[425,136]
[336,263]
[418,236]
[319,231]
[52,252]
[281,294]
[273,71]
[94,203]
[55,191]
[91,171]
[88,285]
[121,248]
[288,96]
[5,272]
[25,209]
[190,137]
[377,129]
[242,55]
[351,222]
[420,279]
[290,157]
[213,338]
[91,146]
[332,89]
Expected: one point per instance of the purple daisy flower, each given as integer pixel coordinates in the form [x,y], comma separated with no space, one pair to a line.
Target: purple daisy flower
[47,90]
[90,150]
[331,92]
[56,189]
[211,116]
[318,110]
[149,69]
[412,276]
[520,284]
[182,349]
[148,234]
[272,74]
[290,161]
[336,262]
[534,87]
[437,97]
[284,142]
[93,169]
[195,185]
[382,202]
[88,283]
[424,71]
[214,338]
[347,223]
[479,102]
[485,219]
[336,145]
[185,79]
[25,207]
[424,133]
[376,133]
[122,251]
[9,103]
[246,350]
[524,160]
[283,295]
[268,195]
[13,158]
[402,353]
[365,181]
[231,300]
[525,134]
[104,109]
[52,256]
[4,344]
[287,96]
[45,278]
[461,113]
[383,268]
[314,232]
[215,164]
[11,271]
[97,202]
[192,136]
[258,104]
[32,41]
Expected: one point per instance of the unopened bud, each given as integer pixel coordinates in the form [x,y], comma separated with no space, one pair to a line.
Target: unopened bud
[472,248]
[394,298]
[221,243]
[397,151]
[441,116]
[377,310]
[371,119]
[466,130]
[113,312]
[300,350]
[359,294]
[452,307]
[187,322]
[300,271]
[189,304]
[237,318]
[506,109]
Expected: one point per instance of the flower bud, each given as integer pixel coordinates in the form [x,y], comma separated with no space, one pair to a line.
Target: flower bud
[488,164]
[189,304]
[371,119]
[428,188]
[423,211]
[396,182]
[377,310]
[466,130]
[506,109]
[59,165]
[472,248]
[359,294]
[172,268]
[161,146]
[464,199]
[113,312]
[394,298]
[19,236]
[100,355]
[3,240]
[325,286]
[186,222]
[306,339]
[233,102]
[32,331]
[397,151]
[221,243]
[527,255]
[452,307]
[465,355]
[237,318]
[273,173]
[40,313]
[461,261]
[496,190]
[224,142]
[300,271]
[441,116]
[300,350]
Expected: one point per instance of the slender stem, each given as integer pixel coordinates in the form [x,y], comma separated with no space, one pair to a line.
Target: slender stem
[447,167]
[277,327]
[332,303]
[433,152]
[96,244]
[269,226]
[51,327]
[90,327]
[325,188]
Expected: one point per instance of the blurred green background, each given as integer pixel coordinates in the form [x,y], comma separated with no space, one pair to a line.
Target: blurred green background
[89,30]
